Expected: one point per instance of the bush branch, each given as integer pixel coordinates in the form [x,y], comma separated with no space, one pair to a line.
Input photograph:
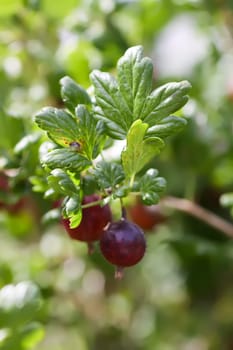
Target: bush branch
[200,213]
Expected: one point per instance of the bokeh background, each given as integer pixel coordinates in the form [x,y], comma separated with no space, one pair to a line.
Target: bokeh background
[53,296]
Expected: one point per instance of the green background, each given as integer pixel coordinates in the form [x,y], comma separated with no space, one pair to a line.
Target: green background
[181,295]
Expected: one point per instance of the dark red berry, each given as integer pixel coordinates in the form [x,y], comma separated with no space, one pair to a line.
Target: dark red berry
[123,244]
[147,217]
[94,219]
[4,185]
[4,188]
[57,203]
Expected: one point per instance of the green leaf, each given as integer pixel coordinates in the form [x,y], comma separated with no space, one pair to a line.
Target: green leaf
[72,210]
[122,191]
[100,139]
[165,100]
[50,193]
[62,183]
[89,184]
[73,94]
[139,150]
[168,126]
[18,303]
[135,78]
[151,186]
[120,102]
[65,158]
[88,130]
[108,175]
[61,127]
[112,108]
[84,131]
[72,205]
[76,219]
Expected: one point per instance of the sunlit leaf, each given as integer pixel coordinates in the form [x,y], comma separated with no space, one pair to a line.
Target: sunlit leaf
[139,150]
[60,125]
[165,100]
[134,74]
[65,158]
[151,186]
[167,126]
[108,174]
[73,94]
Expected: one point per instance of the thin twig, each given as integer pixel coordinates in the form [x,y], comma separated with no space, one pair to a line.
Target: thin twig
[200,213]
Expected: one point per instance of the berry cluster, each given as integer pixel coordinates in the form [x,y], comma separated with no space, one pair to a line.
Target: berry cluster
[122,243]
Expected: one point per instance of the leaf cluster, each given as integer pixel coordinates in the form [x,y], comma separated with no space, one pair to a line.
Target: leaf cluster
[122,108]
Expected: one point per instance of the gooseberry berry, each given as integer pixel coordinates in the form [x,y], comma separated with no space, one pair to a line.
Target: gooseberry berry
[94,220]
[123,244]
[147,217]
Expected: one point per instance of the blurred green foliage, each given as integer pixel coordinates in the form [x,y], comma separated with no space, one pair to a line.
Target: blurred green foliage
[180,296]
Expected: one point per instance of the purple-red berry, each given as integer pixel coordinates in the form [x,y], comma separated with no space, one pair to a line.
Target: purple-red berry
[4,188]
[147,217]
[94,220]
[123,244]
